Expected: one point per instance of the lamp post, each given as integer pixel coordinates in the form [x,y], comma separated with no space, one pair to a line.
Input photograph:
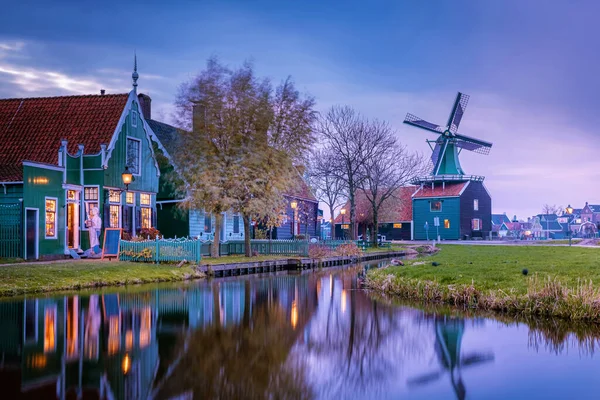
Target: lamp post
[294,205]
[569,211]
[343,212]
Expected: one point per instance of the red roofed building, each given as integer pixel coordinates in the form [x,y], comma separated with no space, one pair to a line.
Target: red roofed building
[63,156]
[395,216]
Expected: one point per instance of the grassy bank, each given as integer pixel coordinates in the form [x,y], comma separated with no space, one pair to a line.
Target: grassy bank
[36,278]
[560,281]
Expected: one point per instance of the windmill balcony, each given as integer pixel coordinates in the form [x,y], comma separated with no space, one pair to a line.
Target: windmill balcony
[447,178]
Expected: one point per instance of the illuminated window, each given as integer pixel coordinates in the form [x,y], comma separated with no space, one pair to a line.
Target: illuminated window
[146,217]
[476,205]
[114,196]
[476,224]
[130,197]
[90,193]
[134,155]
[436,206]
[114,216]
[50,218]
[447,223]
[345,226]
[71,195]
[398,226]
[50,329]
[145,199]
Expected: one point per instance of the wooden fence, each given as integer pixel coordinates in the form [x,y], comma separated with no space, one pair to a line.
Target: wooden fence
[175,250]
[11,230]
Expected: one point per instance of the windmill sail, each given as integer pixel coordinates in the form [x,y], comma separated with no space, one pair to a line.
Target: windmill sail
[460,104]
[474,147]
[421,123]
[435,156]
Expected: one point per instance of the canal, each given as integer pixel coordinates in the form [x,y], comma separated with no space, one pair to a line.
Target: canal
[310,335]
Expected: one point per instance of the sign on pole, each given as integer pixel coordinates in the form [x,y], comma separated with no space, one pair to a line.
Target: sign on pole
[436,221]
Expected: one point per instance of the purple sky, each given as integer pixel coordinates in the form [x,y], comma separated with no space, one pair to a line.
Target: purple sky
[530,68]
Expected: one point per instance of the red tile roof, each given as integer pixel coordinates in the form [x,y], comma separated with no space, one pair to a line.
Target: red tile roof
[396,208]
[448,190]
[301,190]
[31,129]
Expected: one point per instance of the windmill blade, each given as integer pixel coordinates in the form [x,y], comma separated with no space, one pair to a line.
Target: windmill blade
[477,358]
[424,379]
[460,104]
[474,147]
[435,156]
[484,146]
[421,123]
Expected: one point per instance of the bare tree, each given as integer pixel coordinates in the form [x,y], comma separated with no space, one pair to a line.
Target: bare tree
[393,167]
[548,209]
[347,137]
[328,187]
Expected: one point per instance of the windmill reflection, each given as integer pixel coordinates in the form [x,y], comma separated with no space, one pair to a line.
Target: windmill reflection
[448,340]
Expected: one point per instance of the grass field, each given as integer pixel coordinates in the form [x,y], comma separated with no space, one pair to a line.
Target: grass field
[561,281]
[33,278]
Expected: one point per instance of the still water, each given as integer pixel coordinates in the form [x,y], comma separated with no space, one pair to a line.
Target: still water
[297,336]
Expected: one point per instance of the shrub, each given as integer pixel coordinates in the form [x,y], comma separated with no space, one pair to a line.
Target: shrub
[348,249]
[151,233]
[261,234]
[301,237]
[319,251]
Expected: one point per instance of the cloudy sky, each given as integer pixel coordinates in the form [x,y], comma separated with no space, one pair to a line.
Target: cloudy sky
[531,69]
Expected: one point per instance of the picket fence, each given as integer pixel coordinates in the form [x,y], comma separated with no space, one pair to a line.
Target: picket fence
[176,250]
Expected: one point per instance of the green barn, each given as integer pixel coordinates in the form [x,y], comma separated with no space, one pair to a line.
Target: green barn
[450,204]
[63,156]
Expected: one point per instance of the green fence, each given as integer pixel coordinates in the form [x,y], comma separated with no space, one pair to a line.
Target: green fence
[175,250]
[10,230]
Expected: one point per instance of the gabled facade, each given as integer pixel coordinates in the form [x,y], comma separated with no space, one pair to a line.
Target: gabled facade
[64,156]
[463,209]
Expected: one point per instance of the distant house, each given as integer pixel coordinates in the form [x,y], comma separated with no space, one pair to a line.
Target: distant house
[304,220]
[500,225]
[394,220]
[547,226]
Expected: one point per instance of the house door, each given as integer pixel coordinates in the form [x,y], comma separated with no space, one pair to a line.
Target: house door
[73,225]
[31,234]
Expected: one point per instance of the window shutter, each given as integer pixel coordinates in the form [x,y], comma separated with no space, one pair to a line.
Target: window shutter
[154,221]
[138,219]
[106,221]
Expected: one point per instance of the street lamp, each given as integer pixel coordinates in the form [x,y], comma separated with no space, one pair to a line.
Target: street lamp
[569,211]
[343,212]
[294,205]
[127,177]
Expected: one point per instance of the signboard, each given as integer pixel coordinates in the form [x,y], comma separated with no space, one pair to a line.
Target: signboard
[112,242]
[436,221]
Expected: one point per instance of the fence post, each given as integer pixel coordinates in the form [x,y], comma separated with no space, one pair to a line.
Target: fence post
[198,251]
[156,250]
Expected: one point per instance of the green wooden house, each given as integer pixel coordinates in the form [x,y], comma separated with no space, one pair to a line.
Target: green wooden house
[63,156]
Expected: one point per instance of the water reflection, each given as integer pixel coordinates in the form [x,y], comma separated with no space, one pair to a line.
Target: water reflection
[299,336]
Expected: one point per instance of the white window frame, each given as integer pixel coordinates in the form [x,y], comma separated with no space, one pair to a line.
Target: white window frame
[139,172]
[86,203]
[149,200]
[55,237]
[134,119]
[478,224]
[475,204]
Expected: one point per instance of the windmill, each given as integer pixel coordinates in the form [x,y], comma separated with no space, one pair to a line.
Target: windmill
[448,340]
[450,143]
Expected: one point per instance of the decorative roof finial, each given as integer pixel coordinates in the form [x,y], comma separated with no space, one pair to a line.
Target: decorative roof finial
[135,75]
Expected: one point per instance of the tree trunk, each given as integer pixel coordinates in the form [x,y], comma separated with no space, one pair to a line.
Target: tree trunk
[247,246]
[331,211]
[375,227]
[214,251]
[352,214]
